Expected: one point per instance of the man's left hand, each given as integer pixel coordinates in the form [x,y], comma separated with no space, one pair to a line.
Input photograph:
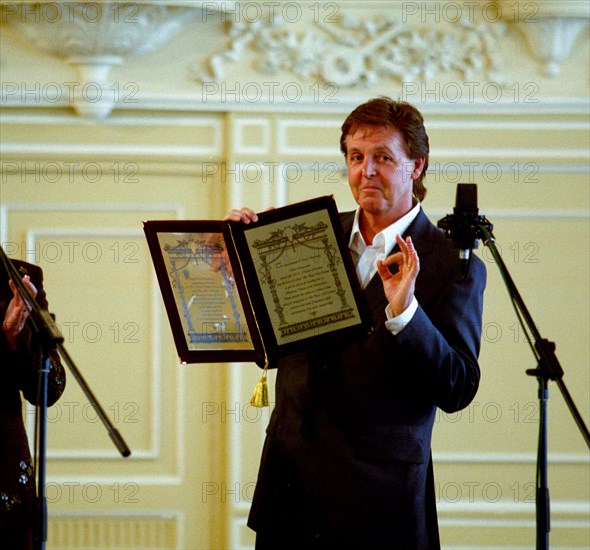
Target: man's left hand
[399,287]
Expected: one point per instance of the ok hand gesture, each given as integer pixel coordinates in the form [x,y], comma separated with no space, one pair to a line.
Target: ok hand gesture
[399,287]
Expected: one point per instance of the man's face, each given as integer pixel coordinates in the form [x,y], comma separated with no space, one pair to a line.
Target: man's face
[380,174]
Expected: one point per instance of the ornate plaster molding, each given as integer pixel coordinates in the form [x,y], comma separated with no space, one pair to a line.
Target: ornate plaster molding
[94,37]
[353,53]
[551,29]
[344,52]
[363,52]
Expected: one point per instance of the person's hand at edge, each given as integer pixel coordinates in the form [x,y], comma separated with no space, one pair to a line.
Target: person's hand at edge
[17,312]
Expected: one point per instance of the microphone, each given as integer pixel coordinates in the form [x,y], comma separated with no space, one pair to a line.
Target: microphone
[463,225]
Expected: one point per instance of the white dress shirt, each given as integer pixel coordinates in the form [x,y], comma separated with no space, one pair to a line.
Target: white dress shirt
[365,258]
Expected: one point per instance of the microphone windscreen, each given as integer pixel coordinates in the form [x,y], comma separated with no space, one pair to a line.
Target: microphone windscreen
[466,198]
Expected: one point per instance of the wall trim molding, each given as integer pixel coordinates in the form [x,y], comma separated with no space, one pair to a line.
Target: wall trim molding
[194,103]
[507,458]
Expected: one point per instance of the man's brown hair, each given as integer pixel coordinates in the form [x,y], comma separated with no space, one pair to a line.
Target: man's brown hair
[384,112]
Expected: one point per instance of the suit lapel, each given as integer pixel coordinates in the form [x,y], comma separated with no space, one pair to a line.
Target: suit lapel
[421,231]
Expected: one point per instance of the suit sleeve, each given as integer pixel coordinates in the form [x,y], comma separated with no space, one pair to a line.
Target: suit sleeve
[442,345]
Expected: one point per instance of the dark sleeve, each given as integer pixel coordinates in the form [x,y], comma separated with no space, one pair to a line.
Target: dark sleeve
[26,359]
[442,345]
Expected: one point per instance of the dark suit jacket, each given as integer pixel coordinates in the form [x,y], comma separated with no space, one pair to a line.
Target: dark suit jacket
[19,374]
[347,461]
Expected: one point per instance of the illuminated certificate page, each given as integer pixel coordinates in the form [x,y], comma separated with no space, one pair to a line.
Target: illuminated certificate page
[204,291]
[302,277]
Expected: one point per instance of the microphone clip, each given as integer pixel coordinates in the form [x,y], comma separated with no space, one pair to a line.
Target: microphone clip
[465,226]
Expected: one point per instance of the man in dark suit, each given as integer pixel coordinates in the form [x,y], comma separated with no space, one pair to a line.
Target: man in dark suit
[347,460]
[21,357]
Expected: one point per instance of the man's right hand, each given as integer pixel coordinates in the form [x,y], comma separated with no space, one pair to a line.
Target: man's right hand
[244,215]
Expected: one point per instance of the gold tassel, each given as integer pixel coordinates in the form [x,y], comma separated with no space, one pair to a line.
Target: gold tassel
[260,396]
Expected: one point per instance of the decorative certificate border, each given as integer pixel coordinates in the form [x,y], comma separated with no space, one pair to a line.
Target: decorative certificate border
[295,262]
[204,294]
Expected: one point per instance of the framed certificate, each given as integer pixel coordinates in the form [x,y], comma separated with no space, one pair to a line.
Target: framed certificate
[252,292]
[199,278]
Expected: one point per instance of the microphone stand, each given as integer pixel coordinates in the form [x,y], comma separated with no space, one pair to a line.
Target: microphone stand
[40,506]
[548,368]
[51,339]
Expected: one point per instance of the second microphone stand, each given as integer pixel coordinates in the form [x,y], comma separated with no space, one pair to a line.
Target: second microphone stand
[51,340]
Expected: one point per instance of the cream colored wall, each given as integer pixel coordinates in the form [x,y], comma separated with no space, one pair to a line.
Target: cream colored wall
[74,192]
